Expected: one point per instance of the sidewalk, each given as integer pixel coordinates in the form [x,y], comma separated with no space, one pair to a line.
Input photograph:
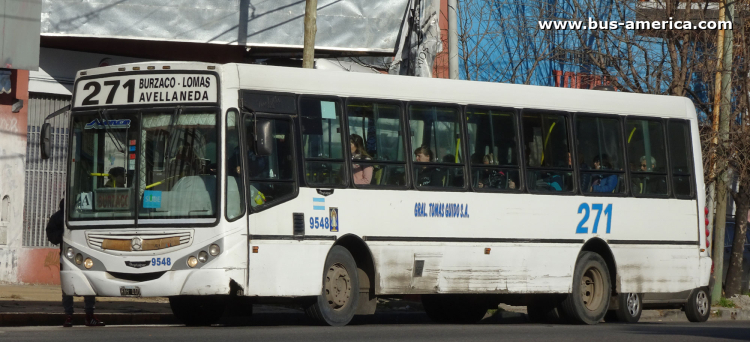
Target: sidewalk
[24,305]
[31,305]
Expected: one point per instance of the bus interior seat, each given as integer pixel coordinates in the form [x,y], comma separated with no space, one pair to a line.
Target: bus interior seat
[190,196]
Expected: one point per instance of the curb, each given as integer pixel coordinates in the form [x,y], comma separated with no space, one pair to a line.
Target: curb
[17,319]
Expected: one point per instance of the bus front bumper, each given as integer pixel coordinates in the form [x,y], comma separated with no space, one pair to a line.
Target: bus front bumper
[172,283]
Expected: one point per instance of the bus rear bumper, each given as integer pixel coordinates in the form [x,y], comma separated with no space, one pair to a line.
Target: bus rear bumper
[171,283]
[705,270]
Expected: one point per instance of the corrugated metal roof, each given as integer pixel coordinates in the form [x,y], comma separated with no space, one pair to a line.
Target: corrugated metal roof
[343,25]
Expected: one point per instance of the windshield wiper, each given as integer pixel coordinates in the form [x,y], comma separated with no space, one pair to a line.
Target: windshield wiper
[172,121]
[116,139]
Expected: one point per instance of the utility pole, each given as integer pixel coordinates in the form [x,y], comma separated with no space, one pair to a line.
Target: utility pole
[452,40]
[311,28]
[720,128]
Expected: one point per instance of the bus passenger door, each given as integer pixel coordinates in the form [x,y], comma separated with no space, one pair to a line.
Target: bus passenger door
[269,168]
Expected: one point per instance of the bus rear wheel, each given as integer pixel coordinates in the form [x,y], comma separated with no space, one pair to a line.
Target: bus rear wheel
[198,310]
[588,302]
[453,308]
[698,306]
[338,302]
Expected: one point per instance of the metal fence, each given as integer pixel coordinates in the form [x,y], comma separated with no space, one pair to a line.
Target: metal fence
[45,179]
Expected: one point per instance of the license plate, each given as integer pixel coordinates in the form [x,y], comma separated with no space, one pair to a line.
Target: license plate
[130,291]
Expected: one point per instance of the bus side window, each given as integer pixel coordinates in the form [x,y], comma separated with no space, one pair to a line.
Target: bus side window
[235,197]
[647,157]
[376,143]
[436,137]
[493,151]
[600,154]
[322,143]
[681,159]
[548,160]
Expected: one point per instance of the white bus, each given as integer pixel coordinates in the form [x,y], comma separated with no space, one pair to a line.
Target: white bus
[211,184]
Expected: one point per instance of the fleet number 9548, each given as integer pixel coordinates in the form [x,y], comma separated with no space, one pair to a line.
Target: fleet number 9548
[161,261]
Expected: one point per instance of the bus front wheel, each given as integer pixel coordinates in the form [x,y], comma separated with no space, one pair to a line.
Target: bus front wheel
[338,302]
[589,300]
[198,310]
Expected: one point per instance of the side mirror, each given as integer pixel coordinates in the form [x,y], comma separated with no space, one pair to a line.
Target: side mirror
[44,141]
[264,137]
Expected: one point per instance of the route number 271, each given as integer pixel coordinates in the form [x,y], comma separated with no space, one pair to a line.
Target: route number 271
[584,208]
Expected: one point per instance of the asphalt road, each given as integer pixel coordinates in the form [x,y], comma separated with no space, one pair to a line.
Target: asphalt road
[411,329]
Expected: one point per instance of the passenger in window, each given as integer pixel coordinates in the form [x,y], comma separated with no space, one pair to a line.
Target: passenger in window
[551,180]
[361,174]
[116,178]
[494,178]
[645,166]
[603,183]
[488,159]
[643,184]
[427,175]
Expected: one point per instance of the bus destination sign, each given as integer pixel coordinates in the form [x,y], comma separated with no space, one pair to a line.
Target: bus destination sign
[146,89]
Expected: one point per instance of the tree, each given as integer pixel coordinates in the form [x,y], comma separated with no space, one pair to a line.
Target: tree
[503,41]
[737,151]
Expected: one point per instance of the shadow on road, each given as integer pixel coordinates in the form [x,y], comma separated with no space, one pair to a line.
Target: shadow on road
[277,319]
[694,329]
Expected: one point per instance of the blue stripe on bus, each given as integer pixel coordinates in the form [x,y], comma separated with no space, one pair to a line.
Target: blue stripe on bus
[319,207]
[315,199]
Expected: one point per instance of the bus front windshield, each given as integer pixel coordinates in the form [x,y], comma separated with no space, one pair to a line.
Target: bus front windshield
[152,165]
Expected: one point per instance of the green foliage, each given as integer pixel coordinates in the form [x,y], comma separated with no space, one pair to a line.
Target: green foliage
[726,303]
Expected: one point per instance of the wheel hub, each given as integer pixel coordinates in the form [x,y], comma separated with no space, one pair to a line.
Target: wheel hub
[702,303]
[633,305]
[592,293]
[338,286]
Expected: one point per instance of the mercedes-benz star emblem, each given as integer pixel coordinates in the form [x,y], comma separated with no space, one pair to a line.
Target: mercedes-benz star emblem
[136,243]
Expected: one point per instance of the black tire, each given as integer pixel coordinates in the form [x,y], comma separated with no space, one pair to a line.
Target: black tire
[592,288]
[698,306]
[198,310]
[454,309]
[630,307]
[338,301]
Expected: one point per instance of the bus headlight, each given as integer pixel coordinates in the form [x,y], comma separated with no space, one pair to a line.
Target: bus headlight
[79,259]
[214,250]
[69,253]
[192,261]
[88,263]
[203,256]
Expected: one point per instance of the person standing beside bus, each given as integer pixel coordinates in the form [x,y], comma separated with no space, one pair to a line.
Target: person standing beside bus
[55,229]
[362,174]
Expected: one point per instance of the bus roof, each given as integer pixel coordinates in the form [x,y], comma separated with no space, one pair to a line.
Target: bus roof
[409,88]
